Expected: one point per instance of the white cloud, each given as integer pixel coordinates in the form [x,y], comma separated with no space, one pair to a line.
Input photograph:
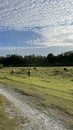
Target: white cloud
[53,17]
[56,35]
[20,13]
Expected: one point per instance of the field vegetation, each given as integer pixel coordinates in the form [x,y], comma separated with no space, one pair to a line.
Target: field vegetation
[50,88]
[5,122]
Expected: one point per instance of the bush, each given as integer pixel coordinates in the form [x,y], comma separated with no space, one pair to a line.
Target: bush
[1,66]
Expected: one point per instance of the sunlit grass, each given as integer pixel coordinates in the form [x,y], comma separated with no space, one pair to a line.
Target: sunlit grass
[5,122]
[51,86]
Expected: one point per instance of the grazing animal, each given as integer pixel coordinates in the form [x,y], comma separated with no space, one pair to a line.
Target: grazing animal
[29,73]
[12,72]
[35,68]
[65,69]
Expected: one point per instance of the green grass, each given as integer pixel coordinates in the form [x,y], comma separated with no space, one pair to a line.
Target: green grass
[5,122]
[52,87]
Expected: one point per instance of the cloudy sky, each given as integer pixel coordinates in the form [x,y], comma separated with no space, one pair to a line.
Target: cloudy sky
[36,26]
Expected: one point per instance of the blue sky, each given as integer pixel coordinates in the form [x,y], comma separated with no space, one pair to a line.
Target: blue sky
[36,26]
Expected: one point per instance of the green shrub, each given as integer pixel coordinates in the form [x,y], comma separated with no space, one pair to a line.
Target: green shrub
[1,66]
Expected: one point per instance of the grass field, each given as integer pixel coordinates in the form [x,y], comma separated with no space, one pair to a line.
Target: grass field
[5,122]
[51,87]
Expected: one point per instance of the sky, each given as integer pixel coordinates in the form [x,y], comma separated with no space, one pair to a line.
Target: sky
[36,26]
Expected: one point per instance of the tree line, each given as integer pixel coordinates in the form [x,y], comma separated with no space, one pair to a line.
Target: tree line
[64,59]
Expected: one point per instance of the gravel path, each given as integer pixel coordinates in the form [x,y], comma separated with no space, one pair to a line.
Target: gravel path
[35,119]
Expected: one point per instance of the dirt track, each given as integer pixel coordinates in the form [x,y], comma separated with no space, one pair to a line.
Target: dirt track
[33,119]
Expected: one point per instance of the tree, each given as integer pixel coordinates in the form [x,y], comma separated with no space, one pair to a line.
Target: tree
[50,59]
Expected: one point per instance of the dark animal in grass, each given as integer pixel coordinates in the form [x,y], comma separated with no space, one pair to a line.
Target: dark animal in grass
[65,69]
[29,73]
[35,68]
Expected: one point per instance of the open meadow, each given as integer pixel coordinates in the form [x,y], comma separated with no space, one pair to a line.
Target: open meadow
[48,88]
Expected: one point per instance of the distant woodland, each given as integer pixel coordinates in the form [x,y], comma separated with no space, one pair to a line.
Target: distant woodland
[64,59]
